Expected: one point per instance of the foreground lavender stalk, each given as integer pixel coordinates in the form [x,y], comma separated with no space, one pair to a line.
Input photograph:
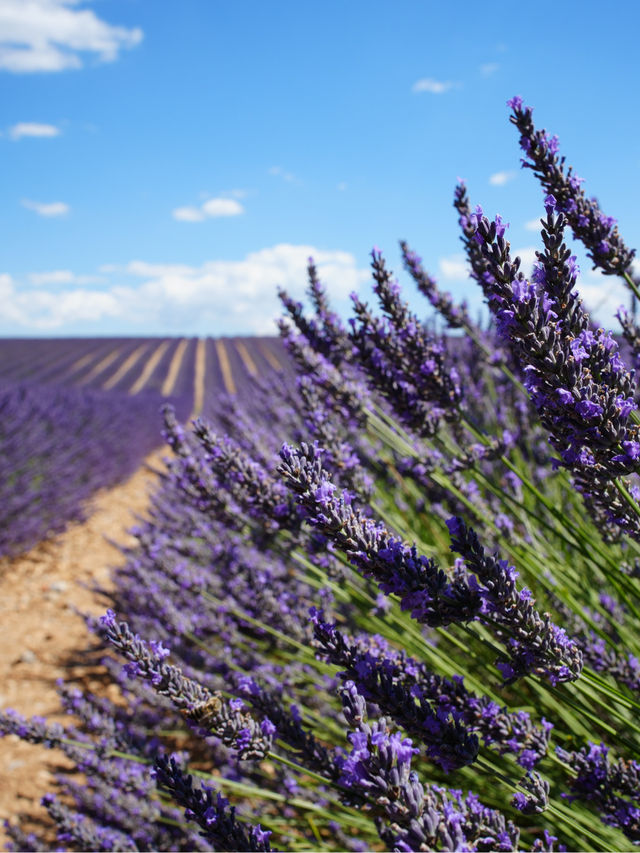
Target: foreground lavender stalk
[598,232]
[422,587]
[612,786]
[534,643]
[426,704]
[325,332]
[577,381]
[456,316]
[227,720]
[402,362]
[444,736]
[410,817]
[210,810]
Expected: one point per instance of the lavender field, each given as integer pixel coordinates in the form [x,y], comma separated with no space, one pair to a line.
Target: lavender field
[389,601]
[79,415]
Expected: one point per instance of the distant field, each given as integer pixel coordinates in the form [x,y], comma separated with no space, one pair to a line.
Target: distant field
[189,371]
[78,415]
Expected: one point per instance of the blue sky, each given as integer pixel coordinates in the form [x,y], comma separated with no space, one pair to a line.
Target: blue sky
[167,165]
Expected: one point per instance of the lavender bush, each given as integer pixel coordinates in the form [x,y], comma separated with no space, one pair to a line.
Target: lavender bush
[395,606]
[58,446]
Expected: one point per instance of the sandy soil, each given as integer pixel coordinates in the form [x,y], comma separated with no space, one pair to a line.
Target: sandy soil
[43,635]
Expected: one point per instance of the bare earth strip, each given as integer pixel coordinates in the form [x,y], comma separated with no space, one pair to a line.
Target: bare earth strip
[271,358]
[39,594]
[225,367]
[245,355]
[199,375]
[78,365]
[101,366]
[174,368]
[126,367]
[149,366]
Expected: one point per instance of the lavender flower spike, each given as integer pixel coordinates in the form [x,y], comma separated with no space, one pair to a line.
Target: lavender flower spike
[210,811]
[598,232]
[423,700]
[612,786]
[580,386]
[456,316]
[379,764]
[227,720]
[439,730]
[422,587]
[534,644]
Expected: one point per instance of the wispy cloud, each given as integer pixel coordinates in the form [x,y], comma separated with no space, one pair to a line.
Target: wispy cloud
[62,277]
[454,267]
[499,179]
[527,255]
[213,208]
[28,128]
[47,209]
[602,296]
[53,35]
[489,68]
[188,214]
[279,172]
[532,225]
[221,297]
[435,87]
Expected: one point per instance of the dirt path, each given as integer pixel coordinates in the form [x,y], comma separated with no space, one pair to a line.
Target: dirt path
[39,594]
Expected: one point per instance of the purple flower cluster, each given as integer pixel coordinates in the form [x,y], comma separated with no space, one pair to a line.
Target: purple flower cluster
[441,712]
[218,823]
[598,232]
[412,818]
[324,332]
[580,386]
[401,361]
[534,644]
[456,316]
[612,786]
[423,588]
[58,446]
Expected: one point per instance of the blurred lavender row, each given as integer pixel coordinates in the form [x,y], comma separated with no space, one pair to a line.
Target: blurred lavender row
[80,415]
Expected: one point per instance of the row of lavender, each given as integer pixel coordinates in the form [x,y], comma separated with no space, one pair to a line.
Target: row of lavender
[171,367]
[413,625]
[80,415]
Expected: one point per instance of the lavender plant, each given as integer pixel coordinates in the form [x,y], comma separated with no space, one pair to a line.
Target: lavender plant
[375,615]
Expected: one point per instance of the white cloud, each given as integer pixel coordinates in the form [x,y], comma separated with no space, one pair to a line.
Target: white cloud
[435,87]
[214,208]
[489,68]
[53,35]
[499,179]
[50,209]
[454,267]
[188,214]
[533,225]
[218,297]
[42,279]
[602,296]
[42,310]
[28,128]
[527,255]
